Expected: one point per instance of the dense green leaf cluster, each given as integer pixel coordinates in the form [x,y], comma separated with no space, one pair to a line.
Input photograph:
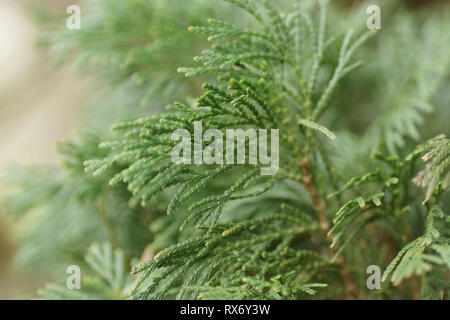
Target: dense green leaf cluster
[350,106]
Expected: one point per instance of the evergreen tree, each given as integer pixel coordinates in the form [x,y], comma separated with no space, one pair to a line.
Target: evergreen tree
[363,169]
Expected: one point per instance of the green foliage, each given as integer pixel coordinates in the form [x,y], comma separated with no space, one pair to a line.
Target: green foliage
[436,171]
[109,278]
[392,203]
[348,110]
[406,94]
[129,40]
[258,90]
[412,259]
[74,208]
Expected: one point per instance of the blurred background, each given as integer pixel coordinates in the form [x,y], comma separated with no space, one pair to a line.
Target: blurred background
[39,105]
[38,102]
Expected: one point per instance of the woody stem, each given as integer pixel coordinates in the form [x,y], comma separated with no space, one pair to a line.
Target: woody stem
[325,227]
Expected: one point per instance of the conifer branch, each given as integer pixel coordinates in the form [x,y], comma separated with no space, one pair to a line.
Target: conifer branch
[320,208]
[213,229]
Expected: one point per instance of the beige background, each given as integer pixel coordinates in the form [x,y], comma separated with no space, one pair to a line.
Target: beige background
[38,102]
[39,105]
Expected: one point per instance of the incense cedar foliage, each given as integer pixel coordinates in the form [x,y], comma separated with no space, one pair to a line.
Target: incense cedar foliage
[363,174]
